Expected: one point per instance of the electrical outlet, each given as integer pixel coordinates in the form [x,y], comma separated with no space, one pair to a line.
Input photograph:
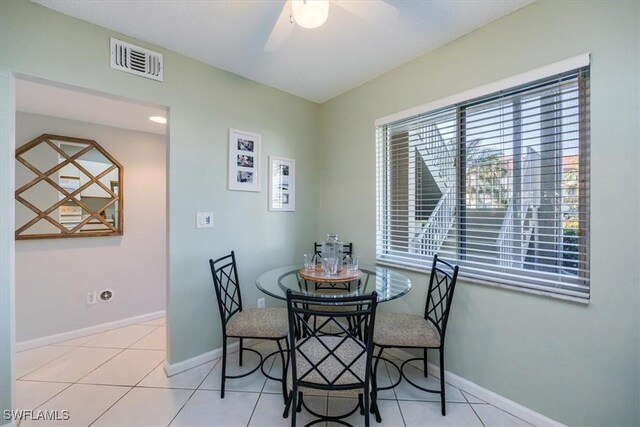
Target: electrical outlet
[260,302]
[92,297]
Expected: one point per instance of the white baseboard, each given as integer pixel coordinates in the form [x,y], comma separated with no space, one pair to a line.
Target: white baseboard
[175,368]
[482,393]
[78,333]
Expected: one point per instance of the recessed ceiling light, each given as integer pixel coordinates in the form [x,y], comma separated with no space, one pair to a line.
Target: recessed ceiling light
[158,119]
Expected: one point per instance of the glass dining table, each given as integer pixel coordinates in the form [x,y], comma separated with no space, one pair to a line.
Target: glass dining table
[387,283]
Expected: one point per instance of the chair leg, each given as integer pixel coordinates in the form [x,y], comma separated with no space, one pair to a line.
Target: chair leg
[376,411]
[240,352]
[366,409]
[361,404]
[294,403]
[374,393]
[442,390]
[374,388]
[299,407]
[223,377]
[284,370]
[287,405]
[426,373]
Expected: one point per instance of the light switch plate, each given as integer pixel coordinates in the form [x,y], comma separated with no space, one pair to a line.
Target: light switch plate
[204,220]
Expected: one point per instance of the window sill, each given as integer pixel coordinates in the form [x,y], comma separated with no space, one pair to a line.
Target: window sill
[477,281]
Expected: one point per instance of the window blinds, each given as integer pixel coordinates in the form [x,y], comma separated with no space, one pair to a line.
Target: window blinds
[498,184]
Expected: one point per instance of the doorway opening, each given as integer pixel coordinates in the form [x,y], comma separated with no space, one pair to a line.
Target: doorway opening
[84,305]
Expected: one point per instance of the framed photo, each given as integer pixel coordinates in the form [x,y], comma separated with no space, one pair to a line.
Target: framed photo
[244,160]
[282,184]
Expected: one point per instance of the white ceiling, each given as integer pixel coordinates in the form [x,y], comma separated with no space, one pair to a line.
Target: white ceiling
[316,64]
[68,103]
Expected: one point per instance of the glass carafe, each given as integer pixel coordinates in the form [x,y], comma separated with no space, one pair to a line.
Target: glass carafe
[332,247]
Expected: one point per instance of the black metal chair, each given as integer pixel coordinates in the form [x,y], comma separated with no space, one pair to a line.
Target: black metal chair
[340,364]
[416,331]
[258,323]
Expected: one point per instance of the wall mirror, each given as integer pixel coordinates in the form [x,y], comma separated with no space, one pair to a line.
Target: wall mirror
[67,187]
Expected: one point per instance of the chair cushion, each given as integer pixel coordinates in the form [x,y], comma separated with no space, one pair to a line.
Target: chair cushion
[405,330]
[259,323]
[349,352]
[317,391]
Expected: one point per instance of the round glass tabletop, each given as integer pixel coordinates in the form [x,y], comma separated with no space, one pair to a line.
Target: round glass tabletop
[387,283]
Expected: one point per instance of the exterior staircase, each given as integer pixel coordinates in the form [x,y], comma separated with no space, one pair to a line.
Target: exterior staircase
[521,221]
[439,157]
[437,154]
[492,235]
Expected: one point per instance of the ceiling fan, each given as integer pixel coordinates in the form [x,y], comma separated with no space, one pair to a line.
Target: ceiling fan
[314,13]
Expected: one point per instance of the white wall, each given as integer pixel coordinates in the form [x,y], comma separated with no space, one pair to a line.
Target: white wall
[54,275]
[575,363]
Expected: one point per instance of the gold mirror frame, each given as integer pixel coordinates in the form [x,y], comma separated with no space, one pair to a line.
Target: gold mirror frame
[115,192]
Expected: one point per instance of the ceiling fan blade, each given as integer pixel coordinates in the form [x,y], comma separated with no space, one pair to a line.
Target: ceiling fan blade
[371,10]
[281,30]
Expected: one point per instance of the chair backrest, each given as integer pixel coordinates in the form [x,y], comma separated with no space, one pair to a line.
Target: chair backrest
[337,361]
[442,283]
[227,286]
[347,249]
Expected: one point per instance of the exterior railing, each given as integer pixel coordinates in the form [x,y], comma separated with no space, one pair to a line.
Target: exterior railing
[436,154]
[512,246]
[509,253]
[506,256]
[437,227]
[440,160]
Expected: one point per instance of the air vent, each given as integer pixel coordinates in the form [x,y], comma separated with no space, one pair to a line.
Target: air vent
[136,60]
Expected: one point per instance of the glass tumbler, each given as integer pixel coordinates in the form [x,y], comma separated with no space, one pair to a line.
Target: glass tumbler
[348,262]
[353,265]
[332,266]
[309,262]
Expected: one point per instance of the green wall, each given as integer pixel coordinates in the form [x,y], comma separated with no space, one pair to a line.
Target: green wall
[204,103]
[579,364]
[575,363]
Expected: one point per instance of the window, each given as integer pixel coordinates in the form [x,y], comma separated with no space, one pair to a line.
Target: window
[498,184]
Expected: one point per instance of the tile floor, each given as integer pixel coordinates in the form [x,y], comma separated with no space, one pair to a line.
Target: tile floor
[116,378]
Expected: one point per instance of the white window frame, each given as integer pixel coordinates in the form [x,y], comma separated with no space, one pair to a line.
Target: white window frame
[546,71]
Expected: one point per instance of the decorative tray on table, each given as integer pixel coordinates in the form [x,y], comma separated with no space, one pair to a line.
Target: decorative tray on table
[318,275]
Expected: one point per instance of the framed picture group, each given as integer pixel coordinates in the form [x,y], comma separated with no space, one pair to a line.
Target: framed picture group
[244,160]
[244,171]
